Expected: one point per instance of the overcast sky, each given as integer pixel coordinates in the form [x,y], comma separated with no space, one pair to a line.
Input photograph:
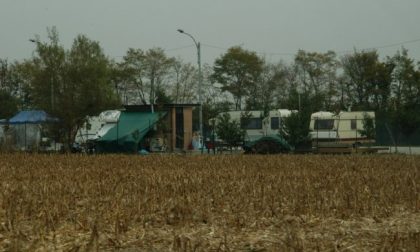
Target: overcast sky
[274,28]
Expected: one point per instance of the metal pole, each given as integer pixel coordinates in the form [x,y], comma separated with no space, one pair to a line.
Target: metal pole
[213,137]
[52,92]
[200,80]
[355,144]
[25,138]
[299,101]
[317,133]
[118,142]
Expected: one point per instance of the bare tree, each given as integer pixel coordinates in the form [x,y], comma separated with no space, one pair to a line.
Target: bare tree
[185,80]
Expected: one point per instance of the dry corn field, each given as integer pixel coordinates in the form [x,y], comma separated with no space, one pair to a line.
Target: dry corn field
[209,203]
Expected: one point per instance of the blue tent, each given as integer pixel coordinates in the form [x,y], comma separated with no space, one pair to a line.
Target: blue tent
[31,117]
[26,126]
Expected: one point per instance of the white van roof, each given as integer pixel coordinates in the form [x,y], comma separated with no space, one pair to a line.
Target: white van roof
[355,114]
[322,115]
[110,116]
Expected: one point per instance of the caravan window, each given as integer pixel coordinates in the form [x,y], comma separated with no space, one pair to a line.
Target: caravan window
[251,123]
[275,123]
[353,124]
[324,124]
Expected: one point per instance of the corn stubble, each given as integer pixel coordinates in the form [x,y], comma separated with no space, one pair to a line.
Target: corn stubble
[209,203]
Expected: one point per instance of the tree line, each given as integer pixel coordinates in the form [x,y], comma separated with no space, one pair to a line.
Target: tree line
[71,84]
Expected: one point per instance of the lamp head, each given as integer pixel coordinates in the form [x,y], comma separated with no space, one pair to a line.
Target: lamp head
[180,31]
[32,40]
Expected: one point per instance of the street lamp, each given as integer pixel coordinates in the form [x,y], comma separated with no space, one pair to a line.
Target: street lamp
[200,80]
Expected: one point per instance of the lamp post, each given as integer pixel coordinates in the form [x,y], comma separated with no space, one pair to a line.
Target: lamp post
[200,80]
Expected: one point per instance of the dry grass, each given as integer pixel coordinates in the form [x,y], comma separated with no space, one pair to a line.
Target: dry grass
[216,203]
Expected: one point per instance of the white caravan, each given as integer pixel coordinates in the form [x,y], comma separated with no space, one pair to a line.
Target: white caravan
[343,127]
[257,125]
[97,126]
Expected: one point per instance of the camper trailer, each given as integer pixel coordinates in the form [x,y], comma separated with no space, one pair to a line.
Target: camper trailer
[344,127]
[257,125]
[95,127]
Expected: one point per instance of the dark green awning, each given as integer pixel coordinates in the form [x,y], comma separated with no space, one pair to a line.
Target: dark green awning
[128,131]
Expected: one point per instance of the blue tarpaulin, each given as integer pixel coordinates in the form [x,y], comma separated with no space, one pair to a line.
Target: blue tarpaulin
[31,117]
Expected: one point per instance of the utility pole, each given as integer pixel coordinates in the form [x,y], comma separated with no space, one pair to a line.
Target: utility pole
[200,82]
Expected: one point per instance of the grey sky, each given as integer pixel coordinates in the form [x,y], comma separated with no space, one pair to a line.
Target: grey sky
[274,28]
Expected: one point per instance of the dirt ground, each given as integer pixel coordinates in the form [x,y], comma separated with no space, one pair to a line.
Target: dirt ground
[209,203]
[291,233]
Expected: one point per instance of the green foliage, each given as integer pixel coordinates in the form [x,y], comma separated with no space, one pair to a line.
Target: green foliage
[22,74]
[405,102]
[157,65]
[210,111]
[186,79]
[316,76]
[296,128]
[71,84]
[268,89]
[129,77]
[238,71]
[369,129]
[9,105]
[8,90]
[229,130]
[162,97]
[367,80]
[48,71]
[142,75]
[405,81]
[410,120]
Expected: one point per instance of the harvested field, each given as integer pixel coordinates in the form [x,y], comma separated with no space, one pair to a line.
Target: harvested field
[209,203]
